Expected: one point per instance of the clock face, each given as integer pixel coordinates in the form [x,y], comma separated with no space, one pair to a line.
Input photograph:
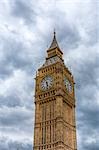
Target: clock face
[67,84]
[46,83]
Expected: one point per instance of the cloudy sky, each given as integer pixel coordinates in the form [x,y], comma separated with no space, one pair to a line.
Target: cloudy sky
[26,30]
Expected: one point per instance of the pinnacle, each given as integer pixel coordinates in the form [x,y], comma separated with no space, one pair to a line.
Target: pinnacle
[54,43]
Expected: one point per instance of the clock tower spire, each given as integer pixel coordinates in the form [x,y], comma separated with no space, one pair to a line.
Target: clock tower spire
[54,43]
[55,124]
[54,48]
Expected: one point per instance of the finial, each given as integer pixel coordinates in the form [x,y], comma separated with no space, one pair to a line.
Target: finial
[54,32]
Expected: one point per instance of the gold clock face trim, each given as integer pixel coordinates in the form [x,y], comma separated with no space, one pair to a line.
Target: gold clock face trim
[46,82]
[68,85]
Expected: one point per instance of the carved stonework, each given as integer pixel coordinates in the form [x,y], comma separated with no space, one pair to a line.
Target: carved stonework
[54,127]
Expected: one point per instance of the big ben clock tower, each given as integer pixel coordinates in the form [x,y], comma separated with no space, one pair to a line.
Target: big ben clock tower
[55,127]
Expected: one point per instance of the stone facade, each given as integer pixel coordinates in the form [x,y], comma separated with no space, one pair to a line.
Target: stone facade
[54,127]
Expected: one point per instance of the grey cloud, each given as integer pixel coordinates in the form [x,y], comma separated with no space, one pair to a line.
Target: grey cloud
[69,37]
[89,138]
[23,10]
[14,57]
[87,110]
[13,99]
[93,31]
[85,72]
[93,34]
[88,114]
[67,33]
[5,71]
[16,120]
[8,144]
[10,101]
[13,117]
[91,146]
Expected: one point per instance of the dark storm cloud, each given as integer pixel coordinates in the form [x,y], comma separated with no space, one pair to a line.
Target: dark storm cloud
[23,10]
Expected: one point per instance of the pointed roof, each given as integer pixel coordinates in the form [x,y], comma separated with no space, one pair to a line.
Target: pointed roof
[54,43]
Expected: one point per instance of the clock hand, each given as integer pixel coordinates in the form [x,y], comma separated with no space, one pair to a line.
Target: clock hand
[46,83]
